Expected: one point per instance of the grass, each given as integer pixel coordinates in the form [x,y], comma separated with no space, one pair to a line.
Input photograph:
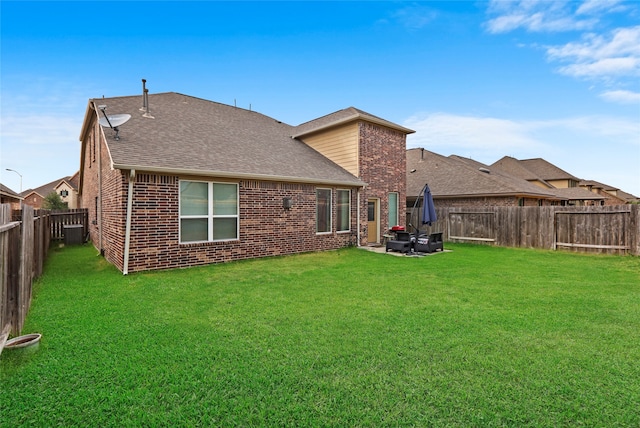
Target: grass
[481,336]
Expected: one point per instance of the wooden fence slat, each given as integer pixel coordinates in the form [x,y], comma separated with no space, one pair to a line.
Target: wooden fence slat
[604,229]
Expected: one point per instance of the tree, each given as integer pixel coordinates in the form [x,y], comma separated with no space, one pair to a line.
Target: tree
[53,201]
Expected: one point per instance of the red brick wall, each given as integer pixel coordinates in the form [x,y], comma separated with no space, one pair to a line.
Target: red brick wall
[266,228]
[383,168]
[34,200]
[107,220]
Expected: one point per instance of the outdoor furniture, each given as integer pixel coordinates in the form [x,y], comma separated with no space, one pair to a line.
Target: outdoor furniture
[429,243]
[403,243]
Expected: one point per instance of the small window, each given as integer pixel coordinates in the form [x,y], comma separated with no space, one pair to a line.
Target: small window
[343,202]
[323,210]
[208,211]
[393,209]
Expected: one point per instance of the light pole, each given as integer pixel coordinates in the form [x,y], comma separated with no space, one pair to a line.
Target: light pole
[13,170]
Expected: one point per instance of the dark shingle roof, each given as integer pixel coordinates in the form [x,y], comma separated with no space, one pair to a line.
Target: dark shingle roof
[514,167]
[45,189]
[577,193]
[344,116]
[459,177]
[532,169]
[190,135]
[546,170]
[4,190]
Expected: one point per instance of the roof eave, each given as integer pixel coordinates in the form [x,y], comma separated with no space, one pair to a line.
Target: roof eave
[353,118]
[499,195]
[238,175]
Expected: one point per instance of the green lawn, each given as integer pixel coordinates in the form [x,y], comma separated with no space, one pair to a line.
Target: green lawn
[479,336]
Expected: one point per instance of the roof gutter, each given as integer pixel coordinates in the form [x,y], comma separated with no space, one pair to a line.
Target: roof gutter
[127,234]
[239,175]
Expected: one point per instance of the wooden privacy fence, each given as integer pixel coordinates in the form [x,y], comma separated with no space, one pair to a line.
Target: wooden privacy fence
[25,236]
[60,219]
[24,246]
[604,229]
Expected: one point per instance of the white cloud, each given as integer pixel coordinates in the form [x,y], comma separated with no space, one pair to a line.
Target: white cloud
[599,6]
[621,96]
[470,136]
[575,144]
[537,16]
[415,17]
[40,130]
[600,56]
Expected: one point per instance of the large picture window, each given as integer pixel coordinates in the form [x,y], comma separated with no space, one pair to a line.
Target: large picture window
[208,211]
[323,210]
[393,209]
[343,201]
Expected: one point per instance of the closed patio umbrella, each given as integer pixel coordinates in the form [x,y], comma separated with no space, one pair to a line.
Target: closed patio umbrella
[429,211]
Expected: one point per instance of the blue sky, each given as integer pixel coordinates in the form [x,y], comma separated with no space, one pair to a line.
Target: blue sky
[528,79]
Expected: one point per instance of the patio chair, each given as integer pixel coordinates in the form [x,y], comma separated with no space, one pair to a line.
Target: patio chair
[403,243]
[429,243]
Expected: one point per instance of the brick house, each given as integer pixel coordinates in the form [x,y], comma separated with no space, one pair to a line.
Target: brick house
[66,188]
[188,181]
[8,196]
[455,181]
[549,177]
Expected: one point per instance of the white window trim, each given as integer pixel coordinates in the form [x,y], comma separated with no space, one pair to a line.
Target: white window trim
[209,216]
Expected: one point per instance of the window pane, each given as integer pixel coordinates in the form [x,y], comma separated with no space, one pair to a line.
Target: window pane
[323,210]
[225,199]
[393,209]
[193,198]
[193,229]
[225,228]
[343,221]
[371,211]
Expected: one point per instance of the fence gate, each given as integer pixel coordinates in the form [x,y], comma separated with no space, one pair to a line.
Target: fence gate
[602,231]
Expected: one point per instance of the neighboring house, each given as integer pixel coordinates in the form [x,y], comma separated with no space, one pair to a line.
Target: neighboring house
[8,196]
[188,181]
[548,176]
[460,182]
[66,187]
[612,195]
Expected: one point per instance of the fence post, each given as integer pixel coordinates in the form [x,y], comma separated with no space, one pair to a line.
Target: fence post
[26,270]
[634,230]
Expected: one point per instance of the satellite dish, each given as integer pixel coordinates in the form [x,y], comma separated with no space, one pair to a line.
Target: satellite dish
[113,121]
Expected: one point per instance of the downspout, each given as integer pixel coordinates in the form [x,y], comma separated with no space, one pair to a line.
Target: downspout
[127,234]
[358,217]
[99,204]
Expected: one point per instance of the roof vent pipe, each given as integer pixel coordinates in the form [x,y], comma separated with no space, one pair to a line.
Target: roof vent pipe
[144,98]
[146,103]
[485,170]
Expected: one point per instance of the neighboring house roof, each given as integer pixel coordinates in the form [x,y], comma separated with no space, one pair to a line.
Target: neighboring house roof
[342,117]
[189,135]
[546,170]
[453,176]
[597,185]
[611,190]
[514,167]
[577,193]
[44,190]
[5,191]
